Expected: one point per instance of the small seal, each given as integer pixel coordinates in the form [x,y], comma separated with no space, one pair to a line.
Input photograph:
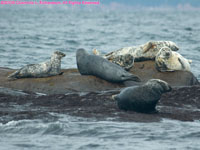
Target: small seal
[168,60]
[45,69]
[142,98]
[95,65]
[143,52]
[125,61]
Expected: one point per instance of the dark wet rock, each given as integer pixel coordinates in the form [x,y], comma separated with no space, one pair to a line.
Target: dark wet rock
[12,92]
[180,104]
[72,81]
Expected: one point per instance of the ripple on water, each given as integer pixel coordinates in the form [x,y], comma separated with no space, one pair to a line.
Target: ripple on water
[79,133]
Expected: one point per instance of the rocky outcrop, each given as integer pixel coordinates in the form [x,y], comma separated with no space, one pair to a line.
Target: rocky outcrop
[72,81]
[146,70]
[183,103]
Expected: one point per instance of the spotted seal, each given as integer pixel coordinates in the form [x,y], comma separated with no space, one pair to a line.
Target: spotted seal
[95,65]
[125,61]
[142,98]
[143,52]
[168,60]
[45,69]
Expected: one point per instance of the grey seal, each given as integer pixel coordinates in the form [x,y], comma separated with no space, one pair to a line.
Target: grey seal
[44,69]
[95,65]
[168,60]
[142,98]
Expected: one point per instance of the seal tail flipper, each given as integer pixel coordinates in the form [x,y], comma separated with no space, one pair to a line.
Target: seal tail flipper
[190,61]
[96,52]
[14,75]
[61,73]
[133,77]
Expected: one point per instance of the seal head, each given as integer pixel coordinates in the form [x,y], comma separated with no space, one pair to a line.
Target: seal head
[168,60]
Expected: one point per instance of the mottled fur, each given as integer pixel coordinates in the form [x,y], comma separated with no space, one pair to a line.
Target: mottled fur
[144,52]
[168,60]
[45,69]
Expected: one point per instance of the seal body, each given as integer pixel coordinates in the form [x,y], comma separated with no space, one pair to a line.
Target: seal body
[142,98]
[126,61]
[168,60]
[148,51]
[45,69]
[95,65]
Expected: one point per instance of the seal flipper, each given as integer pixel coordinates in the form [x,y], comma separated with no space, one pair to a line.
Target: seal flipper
[61,73]
[182,64]
[135,78]
[147,47]
[14,75]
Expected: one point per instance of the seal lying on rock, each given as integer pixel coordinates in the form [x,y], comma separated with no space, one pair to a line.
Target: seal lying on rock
[168,60]
[142,98]
[95,65]
[147,51]
[45,69]
[125,61]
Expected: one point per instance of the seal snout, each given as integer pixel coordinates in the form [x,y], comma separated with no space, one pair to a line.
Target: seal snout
[175,47]
[63,55]
[169,88]
[59,54]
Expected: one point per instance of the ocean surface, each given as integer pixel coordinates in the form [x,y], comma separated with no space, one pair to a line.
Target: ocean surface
[30,35]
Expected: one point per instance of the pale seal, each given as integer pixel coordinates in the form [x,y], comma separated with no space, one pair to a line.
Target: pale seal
[95,65]
[143,52]
[45,69]
[168,60]
[142,98]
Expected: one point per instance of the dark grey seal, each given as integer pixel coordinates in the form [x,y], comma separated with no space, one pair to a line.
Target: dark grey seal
[142,98]
[95,65]
[45,69]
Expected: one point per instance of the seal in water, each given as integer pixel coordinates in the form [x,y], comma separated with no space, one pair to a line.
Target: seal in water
[147,51]
[142,98]
[95,65]
[45,69]
[168,60]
